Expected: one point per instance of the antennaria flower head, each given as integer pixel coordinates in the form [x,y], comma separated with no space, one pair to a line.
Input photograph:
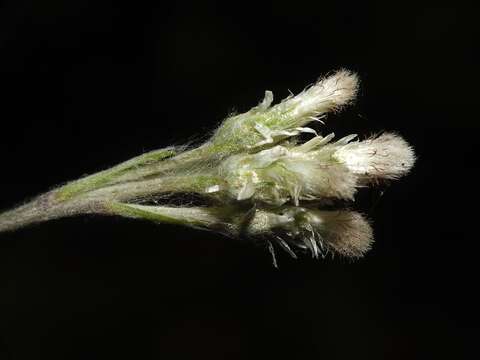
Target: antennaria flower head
[290,227]
[387,156]
[267,124]
[255,176]
[280,174]
[316,169]
[326,95]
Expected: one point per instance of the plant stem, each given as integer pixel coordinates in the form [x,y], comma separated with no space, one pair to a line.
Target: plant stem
[43,208]
[110,176]
[55,204]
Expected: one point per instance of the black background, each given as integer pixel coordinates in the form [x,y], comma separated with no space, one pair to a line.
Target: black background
[87,84]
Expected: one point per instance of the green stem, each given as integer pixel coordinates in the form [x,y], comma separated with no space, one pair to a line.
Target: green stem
[149,189]
[194,217]
[55,204]
[108,176]
[44,208]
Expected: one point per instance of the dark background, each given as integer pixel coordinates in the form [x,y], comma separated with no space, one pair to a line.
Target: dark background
[87,84]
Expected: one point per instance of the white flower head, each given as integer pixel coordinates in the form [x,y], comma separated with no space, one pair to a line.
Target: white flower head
[315,170]
[267,125]
[387,156]
[293,228]
[320,232]
[327,94]
[280,174]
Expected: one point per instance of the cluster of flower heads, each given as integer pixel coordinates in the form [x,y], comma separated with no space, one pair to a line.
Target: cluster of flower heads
[267,184]
[297,178]
[260,180]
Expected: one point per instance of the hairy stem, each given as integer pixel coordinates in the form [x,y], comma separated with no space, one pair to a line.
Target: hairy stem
[55,204]
[110,176]
[43,208]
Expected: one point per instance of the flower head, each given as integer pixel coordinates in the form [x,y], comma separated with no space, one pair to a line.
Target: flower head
[292,228]
[326,95]
[387,156]
[266,124]
[315,170]
[319,232]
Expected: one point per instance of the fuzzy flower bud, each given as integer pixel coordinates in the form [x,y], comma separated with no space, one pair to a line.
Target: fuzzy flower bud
[277,175]
[342,232]
[387,156]
[266,124]
[328,94]
[315,170]
[292,228]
